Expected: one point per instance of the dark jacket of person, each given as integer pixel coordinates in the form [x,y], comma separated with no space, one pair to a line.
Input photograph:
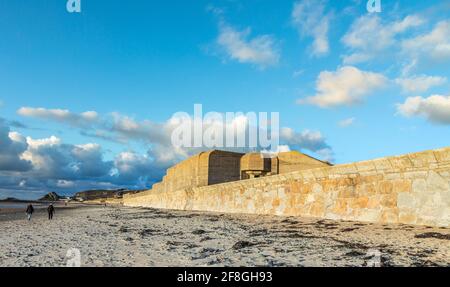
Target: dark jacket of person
[50,209]
[30,209]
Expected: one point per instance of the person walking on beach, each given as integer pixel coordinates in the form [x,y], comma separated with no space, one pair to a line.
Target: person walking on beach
[29,211]
[51,211]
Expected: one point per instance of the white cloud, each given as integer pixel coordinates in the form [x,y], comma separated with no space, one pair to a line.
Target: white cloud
[126,128]
[259,50]
[408,67]
[326,154]
[53,159]
[310,140]
[37,143]
[88,160]
[407,23]
[137,168]
[298,73]
[435,108]
[12,145]
[309,17]
[435,44]
[65,183]
[60,115]
[356,58]
[420,84]
[346,122]
[347,86]
[368,36]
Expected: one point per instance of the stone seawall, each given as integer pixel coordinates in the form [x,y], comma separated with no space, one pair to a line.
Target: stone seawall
[410,189]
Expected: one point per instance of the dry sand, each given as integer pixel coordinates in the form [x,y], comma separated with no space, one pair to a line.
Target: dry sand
[110,236]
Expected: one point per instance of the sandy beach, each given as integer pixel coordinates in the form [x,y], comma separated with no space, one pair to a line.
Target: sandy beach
[119,236]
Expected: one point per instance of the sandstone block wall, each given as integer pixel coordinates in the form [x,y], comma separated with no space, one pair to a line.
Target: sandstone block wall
[410,189]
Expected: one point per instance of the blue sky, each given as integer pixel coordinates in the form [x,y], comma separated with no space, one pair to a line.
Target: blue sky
[349,85]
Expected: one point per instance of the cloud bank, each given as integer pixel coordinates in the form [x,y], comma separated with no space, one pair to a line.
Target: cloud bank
[369,35]
[260,50]
[38,165]
[420,84]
